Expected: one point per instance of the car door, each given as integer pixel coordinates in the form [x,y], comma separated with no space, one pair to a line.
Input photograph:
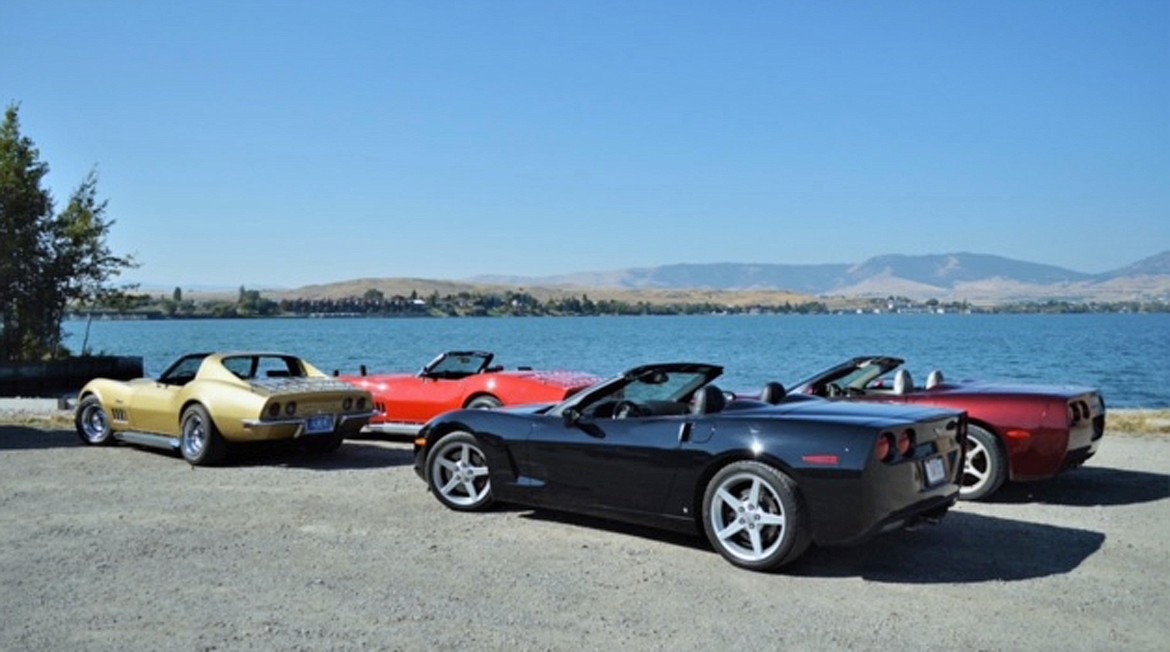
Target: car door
[153,408]
[612,464]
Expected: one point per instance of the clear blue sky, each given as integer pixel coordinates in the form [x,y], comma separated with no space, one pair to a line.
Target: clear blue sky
[285,143]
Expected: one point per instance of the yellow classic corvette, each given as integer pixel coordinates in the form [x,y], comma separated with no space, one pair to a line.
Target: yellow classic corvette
[204,401]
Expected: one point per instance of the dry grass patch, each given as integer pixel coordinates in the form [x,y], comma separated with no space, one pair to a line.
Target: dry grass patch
[1138,422]
[59,419]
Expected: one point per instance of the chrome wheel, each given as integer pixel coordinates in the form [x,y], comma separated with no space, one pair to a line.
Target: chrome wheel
[458,473]
[976,468]
[200,442]
[92,423]
[484,402]
[754,515]
[984,465]
[747,517]
[195,435]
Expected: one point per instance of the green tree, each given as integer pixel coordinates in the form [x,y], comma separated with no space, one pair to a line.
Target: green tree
[47,260]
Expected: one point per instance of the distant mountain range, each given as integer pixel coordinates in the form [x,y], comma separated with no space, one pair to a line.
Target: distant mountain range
[974,277]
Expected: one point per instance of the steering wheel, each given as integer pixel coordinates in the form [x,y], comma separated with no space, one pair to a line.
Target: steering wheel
[627,409]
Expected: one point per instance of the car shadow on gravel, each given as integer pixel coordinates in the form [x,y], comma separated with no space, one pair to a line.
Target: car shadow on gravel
[28,438]
[1091,486]
[964,548]
[353,455]
[579,520]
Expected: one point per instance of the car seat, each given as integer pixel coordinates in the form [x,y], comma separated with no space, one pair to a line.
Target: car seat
[773,393]
[708,400]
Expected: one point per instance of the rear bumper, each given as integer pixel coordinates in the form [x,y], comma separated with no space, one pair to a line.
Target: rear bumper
[930,510]
[294,427]
[850,509]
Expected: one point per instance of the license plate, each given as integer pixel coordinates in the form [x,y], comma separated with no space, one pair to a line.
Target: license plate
[935,471]
[318,424]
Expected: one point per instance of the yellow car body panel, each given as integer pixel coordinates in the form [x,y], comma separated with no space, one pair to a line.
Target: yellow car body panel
[239,406]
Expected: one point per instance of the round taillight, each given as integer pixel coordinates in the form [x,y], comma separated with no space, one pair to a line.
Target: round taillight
[905,441]
[361,403]
[291,408]
[274,409]
[885,447]
[347,403]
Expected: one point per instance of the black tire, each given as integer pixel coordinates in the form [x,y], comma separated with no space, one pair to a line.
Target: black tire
[484,402]
[323,444]
[754,516]
[984,465]
[92,422]
[458,474]
[200,441]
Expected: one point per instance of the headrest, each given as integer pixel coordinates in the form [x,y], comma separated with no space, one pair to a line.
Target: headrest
[773,393]
[707,400]
[934,379]
[902,382]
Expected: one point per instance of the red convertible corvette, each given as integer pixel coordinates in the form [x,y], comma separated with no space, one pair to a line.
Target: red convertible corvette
[1016,432]
[460,379]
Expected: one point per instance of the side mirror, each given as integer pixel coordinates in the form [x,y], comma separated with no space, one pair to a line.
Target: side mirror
[571,416]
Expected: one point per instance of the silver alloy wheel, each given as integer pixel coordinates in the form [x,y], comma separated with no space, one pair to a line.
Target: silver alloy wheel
[459,473]
[94,424]
[977,469]
[195,435]
[747,517]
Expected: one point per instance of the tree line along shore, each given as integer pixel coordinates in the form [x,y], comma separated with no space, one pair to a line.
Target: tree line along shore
[374,303]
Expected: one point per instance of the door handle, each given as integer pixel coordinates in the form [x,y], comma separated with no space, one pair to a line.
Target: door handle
[684,431]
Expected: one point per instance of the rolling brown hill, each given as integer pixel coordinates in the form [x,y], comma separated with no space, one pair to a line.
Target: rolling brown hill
[425,287]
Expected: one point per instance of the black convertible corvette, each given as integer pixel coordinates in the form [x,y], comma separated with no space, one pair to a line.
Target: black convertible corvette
[662,446]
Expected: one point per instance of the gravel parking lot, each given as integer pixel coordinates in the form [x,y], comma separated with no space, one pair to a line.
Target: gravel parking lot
[124,548]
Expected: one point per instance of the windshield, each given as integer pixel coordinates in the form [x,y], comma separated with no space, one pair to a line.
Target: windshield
[458,364]
[661,389]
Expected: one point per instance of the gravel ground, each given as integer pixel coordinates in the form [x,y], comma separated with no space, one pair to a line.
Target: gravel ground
[123,548]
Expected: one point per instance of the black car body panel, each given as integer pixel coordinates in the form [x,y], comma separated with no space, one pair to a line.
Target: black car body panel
[653,468]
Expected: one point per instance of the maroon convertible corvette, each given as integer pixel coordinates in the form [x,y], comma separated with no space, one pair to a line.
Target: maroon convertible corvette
[1016,432]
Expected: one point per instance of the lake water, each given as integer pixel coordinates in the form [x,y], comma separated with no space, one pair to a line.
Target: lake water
[1126,355]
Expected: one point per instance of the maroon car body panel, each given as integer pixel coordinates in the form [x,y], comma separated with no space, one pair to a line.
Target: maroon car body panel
[1044,428]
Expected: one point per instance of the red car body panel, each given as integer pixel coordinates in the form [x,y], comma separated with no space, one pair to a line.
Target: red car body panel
[406,401]
[1045,428]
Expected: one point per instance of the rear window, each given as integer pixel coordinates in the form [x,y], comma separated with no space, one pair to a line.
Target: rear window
[255,367]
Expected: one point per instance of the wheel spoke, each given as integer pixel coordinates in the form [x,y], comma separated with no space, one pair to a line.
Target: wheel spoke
[754,495]
[768,518]
[465,454]
[448,464]
[979,474]
[449,487]
[731,501]
[730,530]
[478,471]
[469,487]
[757,544]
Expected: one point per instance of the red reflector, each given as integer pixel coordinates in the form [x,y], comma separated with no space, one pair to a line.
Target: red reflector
[1018,434]
[821,459]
